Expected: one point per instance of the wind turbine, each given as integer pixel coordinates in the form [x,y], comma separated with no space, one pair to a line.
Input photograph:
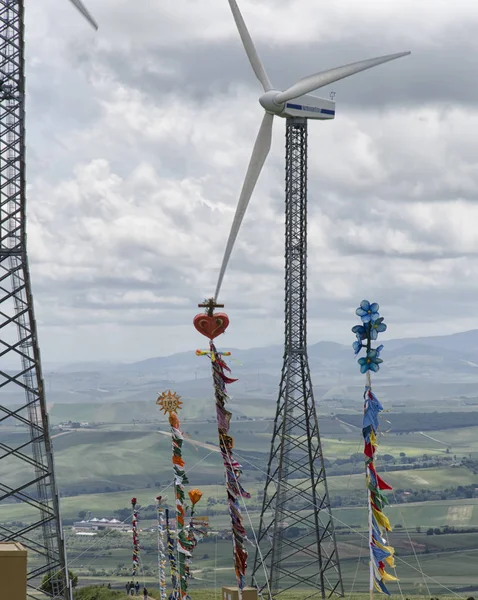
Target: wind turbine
[85,12]
[311,558]
[293,102]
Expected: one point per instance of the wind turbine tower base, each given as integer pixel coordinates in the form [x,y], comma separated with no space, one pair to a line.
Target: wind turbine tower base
[297,548]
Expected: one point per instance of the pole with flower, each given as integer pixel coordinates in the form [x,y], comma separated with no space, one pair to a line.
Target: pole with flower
[381,553]
[193,532]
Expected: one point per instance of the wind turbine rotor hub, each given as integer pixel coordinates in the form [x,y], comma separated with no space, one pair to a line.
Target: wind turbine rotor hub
[269,102]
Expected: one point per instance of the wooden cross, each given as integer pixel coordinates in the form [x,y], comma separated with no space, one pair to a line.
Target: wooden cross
[210,305]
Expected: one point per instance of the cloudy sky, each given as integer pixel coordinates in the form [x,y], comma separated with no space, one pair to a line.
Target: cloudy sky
[139,136]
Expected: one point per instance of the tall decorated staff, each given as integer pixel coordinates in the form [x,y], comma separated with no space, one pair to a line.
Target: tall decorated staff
[134,527]
[170,403]
[161,552]
[381,554]
[211,325]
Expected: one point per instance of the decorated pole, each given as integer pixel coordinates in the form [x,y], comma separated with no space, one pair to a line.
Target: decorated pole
[134,527]
[211,325]
[381,554]
[170,403]
[173,569]
[161,554]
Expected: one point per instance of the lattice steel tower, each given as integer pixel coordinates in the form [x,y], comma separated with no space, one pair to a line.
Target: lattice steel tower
[296,541]
[26,469]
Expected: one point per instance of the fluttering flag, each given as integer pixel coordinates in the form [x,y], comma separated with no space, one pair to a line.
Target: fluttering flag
[211,325]
[381,554]
[180,553]
[161,553]
[134,527]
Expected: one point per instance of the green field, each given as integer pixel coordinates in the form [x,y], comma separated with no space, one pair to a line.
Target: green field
[130,459]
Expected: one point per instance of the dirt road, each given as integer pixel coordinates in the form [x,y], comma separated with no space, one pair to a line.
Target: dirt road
[193,442]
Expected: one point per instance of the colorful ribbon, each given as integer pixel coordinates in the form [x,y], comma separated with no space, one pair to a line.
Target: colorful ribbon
[173,569]
[183,545]
[161,554]
[233,469]
[135,537]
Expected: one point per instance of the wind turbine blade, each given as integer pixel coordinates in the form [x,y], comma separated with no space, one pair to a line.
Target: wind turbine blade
[259,155]
[249,47]
[314,82]
[84,11]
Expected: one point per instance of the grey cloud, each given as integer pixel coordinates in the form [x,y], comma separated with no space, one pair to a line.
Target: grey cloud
[443,73]
[345,247]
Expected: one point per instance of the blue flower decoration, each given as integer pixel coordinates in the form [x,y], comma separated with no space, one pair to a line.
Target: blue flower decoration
[376,327]
[372,325]
[371,362]
[360,331]
[368,312]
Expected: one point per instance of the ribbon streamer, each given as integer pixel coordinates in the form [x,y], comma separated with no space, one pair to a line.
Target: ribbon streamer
[135,537]
[180,479]
[381,554]
[173,569]
[161,553]
[233,469]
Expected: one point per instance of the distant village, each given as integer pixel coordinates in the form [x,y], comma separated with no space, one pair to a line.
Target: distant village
[66,425]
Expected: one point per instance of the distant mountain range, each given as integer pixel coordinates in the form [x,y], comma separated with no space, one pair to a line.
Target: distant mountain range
[459,346]
[415,369]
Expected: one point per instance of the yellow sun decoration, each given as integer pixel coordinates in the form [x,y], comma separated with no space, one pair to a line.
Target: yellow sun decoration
[169,402]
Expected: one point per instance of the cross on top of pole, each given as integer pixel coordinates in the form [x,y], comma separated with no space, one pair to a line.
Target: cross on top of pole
[210,305]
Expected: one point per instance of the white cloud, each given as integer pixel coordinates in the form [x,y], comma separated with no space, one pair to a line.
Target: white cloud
[133,183]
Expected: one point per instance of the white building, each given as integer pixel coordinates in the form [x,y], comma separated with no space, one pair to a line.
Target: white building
[100,524]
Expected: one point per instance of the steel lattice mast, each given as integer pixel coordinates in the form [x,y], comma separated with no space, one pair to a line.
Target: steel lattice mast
[27,469]
[296,541]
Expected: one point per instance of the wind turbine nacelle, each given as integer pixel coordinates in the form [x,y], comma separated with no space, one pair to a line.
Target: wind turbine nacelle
[309,107]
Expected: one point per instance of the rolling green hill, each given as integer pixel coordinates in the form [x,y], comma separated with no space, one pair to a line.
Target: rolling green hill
[101,468]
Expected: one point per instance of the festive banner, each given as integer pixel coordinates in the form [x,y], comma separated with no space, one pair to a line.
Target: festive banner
[135,537]
[381,554]
[211,325]
[161,554]
[185,540]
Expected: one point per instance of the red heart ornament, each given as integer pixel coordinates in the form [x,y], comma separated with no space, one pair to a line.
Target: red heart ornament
[213,326]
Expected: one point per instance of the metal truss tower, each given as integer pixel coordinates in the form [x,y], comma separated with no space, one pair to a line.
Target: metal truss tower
[27,472]
[296,541]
